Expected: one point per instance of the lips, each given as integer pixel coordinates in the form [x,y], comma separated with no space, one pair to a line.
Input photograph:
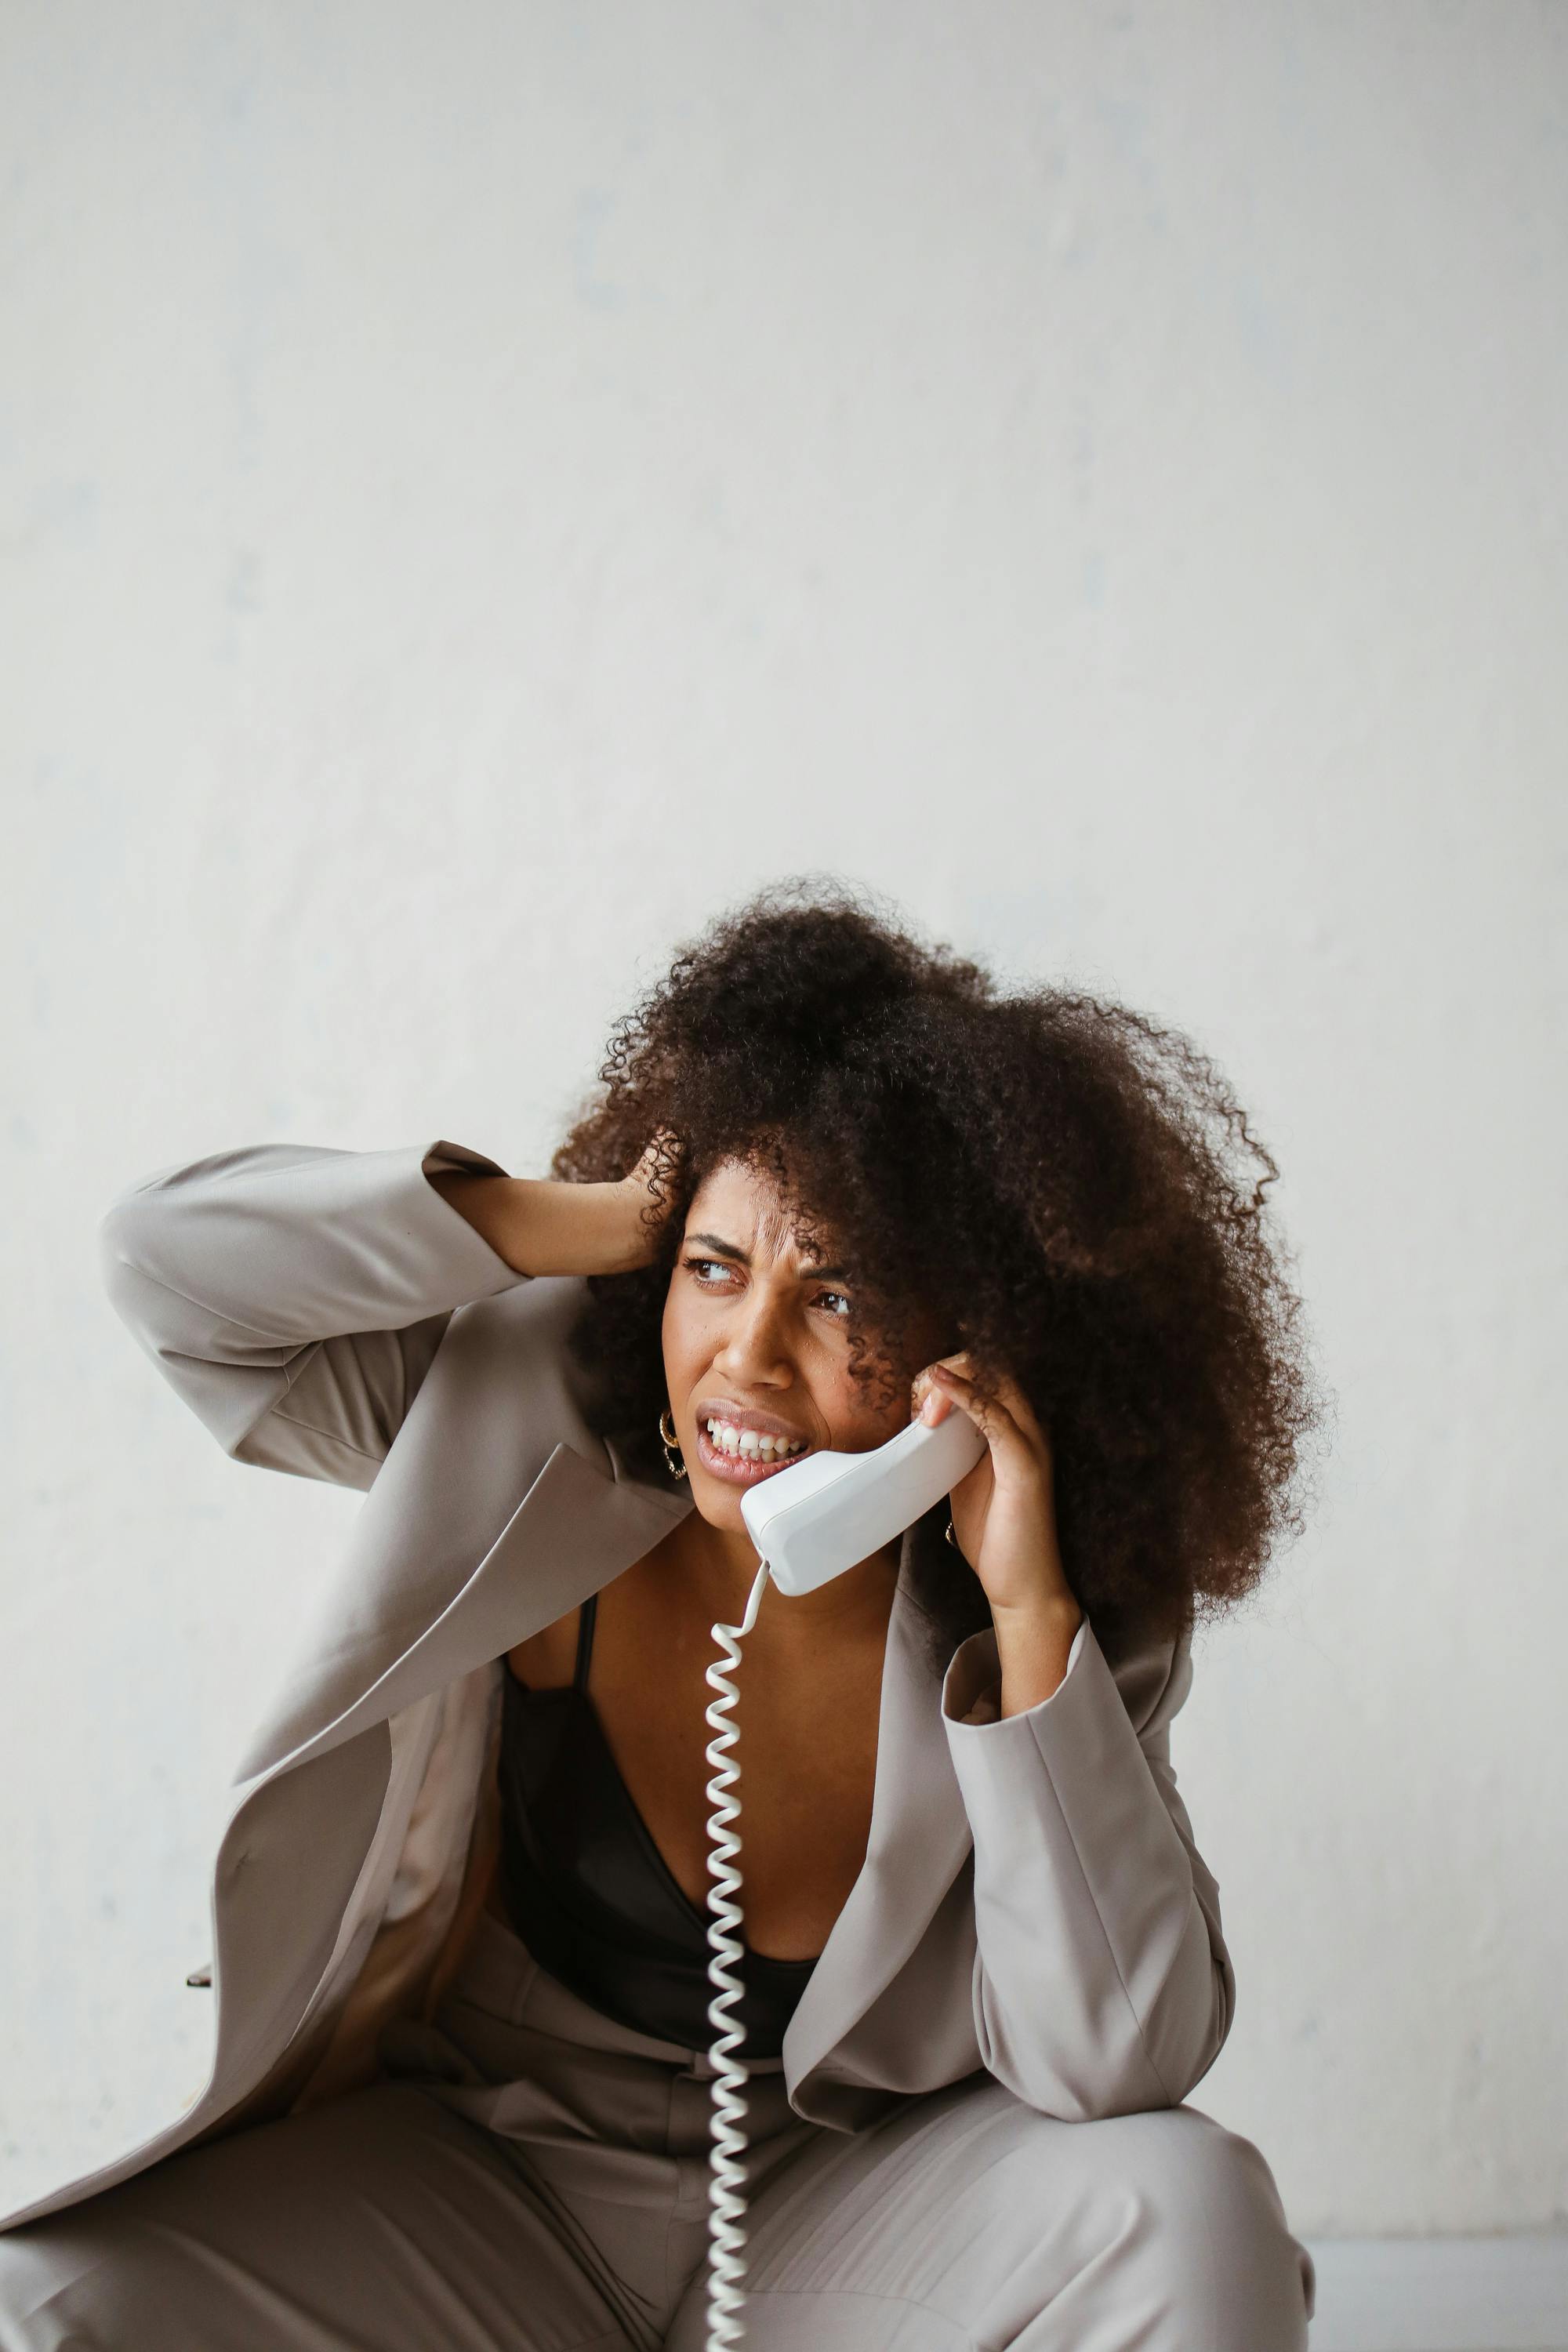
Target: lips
[752,1436]
[741,1469]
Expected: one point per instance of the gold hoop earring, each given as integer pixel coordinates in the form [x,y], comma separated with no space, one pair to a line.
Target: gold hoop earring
[666,1438]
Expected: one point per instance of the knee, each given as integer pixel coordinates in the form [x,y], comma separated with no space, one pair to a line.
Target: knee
[1188,2215]
[31,2276]
[29,2283]
[1216,2246]
[69,2286]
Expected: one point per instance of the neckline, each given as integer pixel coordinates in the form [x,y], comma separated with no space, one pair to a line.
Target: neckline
[573,1693]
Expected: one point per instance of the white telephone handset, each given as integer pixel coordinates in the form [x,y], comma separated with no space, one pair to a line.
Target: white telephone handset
[812,1521]
[809,1523]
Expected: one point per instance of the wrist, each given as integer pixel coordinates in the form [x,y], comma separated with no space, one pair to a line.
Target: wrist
[1055,1608]
[1033,1640]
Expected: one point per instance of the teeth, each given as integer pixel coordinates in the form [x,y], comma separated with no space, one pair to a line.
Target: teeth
[751,1445]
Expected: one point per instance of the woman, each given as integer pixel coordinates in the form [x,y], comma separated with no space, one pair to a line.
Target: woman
[461,2091]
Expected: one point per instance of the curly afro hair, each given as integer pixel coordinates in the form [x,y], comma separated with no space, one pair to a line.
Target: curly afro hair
[1064,1187]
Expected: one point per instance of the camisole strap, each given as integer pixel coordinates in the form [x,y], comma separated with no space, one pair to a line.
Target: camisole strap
[586,1617]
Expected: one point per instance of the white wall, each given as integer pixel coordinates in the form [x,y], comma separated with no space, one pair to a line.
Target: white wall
[484,487]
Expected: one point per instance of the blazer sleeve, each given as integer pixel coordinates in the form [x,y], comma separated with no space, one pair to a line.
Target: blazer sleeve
[294,1295]
[1102,1985]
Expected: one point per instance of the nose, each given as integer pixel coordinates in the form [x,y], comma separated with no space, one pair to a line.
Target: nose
[755,1350]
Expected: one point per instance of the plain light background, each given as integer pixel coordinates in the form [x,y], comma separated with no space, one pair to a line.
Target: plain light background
[484,487]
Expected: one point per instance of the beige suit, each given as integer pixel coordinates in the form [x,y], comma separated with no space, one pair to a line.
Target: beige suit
[1032,1911]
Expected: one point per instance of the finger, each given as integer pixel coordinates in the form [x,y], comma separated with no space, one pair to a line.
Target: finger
[1013,1453]
[663,1146]
[989,1414]
[927,1401]
[1010,1395]
[1022,1411]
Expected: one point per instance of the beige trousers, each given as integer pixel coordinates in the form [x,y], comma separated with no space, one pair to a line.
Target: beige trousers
[532,2177]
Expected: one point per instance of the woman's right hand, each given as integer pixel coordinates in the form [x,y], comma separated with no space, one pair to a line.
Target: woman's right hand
[539,1225]
[626,1230]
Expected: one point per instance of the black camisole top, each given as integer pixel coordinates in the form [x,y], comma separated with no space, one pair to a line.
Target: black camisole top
[589,1892]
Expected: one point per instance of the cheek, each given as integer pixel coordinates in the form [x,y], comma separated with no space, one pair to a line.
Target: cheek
[684,1340]
[859,1418]
[670,1330]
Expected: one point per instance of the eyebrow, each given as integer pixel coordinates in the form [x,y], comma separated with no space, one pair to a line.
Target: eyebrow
[733,1249]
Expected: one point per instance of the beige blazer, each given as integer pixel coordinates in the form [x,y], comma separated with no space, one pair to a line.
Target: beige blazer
[1031,1901]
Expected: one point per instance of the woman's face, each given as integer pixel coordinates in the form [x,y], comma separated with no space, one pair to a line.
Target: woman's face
[756,1347]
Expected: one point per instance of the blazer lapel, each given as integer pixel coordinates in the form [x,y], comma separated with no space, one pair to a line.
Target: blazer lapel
[476,1487]
[574,1529]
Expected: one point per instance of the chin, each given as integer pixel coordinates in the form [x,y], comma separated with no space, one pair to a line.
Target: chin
[720,1506]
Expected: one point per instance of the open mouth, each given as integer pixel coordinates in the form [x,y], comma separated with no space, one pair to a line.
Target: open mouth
[741,1457]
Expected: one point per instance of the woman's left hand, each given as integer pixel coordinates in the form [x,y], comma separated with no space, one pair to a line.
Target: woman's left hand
[1004,1510]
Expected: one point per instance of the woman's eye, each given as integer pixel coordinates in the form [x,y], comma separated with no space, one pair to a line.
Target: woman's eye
[697,1265]
[713,1273]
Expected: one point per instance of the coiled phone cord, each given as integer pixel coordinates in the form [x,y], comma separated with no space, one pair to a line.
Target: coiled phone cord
[726,2198]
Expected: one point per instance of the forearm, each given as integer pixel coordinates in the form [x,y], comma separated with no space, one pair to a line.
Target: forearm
[542,1226]
[271,1246]
[1104,1984]
[294,1295]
